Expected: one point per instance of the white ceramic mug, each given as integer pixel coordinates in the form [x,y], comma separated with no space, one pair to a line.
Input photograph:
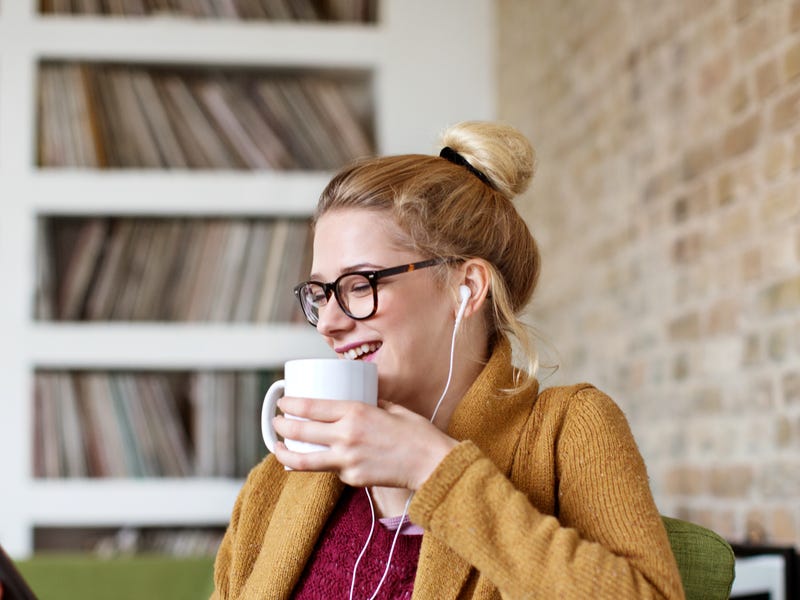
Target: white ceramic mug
[325,378]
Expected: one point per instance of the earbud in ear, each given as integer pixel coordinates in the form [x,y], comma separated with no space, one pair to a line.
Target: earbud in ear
[465,293]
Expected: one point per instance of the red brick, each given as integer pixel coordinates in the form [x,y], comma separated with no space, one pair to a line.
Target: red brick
[776,160]
[794,16]
[767,79]
[742,137]
[786,112]
[780,205]
[751,265]
[733,481]
[714,74]
[698,160]
[686,327]
[723,317]
[744,8]
[739,97]
[783,529]
[754,39]
[791,62]
[780,297]
[686,481]
[791,388]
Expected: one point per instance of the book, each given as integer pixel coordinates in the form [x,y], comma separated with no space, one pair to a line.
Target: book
[229,271]
[130,121]
[270,282]
[210,94]
[158,119]
[72,435]
[77,276]
[292,270]
[268,140]
[249,286]
[208,268]
[194,126]
[43,303]
[111,271]
[134,270]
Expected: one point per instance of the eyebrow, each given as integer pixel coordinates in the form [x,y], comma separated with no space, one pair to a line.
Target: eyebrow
[350,269]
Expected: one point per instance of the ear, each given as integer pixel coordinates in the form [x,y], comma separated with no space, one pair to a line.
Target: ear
[475,274]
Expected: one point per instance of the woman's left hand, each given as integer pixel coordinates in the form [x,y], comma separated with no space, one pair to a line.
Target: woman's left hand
[387,445]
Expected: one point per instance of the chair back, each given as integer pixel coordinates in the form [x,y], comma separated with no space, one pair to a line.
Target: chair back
[705,560]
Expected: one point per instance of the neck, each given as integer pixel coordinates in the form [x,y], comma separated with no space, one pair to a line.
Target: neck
[389,502]
[467,366]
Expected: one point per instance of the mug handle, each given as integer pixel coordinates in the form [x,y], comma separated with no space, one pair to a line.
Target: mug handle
[268,408]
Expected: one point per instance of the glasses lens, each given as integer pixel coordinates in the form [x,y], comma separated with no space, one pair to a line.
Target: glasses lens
[356,295]
[312,298]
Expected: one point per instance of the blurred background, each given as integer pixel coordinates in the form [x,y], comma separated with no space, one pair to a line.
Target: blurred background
[667,208]
[159,161]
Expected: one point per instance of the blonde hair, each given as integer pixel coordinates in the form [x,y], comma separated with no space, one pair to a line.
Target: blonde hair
[445,210]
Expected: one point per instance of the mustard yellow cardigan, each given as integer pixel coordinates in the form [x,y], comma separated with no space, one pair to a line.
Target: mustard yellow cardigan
[547,496]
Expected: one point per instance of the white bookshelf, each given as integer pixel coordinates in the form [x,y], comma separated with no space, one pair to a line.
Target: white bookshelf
[431,64]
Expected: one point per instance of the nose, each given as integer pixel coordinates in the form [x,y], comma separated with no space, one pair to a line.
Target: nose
[332,319]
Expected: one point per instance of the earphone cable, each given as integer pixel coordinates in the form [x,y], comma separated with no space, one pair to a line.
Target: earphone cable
[366,545]
[449,372]
[408,502]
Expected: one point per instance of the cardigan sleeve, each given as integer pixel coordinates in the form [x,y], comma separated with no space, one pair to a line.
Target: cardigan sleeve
[251,515]
[608,540]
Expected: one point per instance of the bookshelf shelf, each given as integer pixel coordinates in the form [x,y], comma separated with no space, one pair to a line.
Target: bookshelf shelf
[171,346]
[128,502]
[423,66]
[177,192]
[196,41]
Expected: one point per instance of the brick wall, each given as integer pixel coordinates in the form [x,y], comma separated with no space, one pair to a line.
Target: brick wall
[667,205]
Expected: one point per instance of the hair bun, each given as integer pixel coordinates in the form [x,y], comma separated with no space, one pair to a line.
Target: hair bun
[499,151]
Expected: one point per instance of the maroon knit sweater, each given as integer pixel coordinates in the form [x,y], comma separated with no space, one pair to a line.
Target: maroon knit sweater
[329,570]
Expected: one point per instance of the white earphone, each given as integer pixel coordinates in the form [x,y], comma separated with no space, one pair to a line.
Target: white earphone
[465,294]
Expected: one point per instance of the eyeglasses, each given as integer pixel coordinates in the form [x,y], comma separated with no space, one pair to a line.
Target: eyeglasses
[356,292]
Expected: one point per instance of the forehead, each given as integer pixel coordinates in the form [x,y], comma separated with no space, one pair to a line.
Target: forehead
[354,236]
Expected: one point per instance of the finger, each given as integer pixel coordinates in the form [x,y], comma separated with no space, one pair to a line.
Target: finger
[303,461]
[315,409]
[315,432]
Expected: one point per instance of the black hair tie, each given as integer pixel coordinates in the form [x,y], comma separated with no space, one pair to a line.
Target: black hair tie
[454,157]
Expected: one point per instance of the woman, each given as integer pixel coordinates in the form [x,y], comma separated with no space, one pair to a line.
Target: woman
[516,492]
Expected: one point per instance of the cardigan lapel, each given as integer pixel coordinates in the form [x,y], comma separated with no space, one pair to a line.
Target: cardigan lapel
[491,419]
[298,519]
[494,422]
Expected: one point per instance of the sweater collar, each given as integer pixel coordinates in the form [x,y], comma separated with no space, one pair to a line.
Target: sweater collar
[489,417]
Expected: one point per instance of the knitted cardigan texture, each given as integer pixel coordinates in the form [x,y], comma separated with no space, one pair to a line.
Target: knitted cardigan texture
[546,496]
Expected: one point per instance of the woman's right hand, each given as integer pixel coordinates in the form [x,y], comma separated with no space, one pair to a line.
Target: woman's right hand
[388,445]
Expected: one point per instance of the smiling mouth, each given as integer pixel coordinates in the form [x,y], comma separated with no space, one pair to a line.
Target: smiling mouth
[359,352]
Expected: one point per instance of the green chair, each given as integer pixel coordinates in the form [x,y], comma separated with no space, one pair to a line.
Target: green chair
[125,578]
[705,560]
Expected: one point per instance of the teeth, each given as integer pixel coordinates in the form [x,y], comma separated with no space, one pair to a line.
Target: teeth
[358,351]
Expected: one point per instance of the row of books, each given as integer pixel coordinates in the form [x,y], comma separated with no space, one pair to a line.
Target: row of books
[122,116]
[172,269]
[204,424]
[280,10]
[109,542]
